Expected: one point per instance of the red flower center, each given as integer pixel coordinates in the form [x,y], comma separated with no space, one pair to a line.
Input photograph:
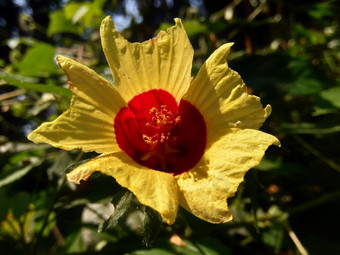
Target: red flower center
[159,134]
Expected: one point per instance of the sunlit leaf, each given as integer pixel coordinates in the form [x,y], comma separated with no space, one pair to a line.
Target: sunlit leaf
[60,24]
[71,10]
[90,13]
[192,27]
[38,61]
[16,80]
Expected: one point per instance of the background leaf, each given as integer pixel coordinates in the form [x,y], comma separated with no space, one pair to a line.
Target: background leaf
[38,61]
[16,80]
[121,202]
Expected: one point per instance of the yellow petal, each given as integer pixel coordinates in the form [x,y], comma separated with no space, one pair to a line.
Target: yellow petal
[163,62]
[220,95]
[88,122]
[90,87]
[204,190]
[155,189]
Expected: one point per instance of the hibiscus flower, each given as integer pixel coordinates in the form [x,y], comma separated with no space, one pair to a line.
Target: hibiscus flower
[169,140]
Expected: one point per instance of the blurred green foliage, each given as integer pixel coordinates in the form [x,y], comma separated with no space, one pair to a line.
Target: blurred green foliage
[288,52]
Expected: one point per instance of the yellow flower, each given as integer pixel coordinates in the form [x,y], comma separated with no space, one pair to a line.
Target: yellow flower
[168,140]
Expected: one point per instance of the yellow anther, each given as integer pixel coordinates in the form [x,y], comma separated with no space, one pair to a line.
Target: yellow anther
[153,110]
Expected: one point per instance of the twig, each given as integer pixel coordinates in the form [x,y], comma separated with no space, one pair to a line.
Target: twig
[296,240]
[58,235]
[11,94]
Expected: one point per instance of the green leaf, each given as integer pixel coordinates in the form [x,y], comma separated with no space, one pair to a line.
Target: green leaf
[77,244]
[210,246]
[332,95]
[19,203]
[305,86]
[320,11]
[70,11]
[89,13]
[153,251]
[151,225]
[4,205]
[63,160]
[273,237]
[72,166]
[19,173]
[19,81]
[60,24]
[76,17]
[38,61]
[121,202]
[268,164]
[322,111]
[194,27]
[308,128]
[164,26]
